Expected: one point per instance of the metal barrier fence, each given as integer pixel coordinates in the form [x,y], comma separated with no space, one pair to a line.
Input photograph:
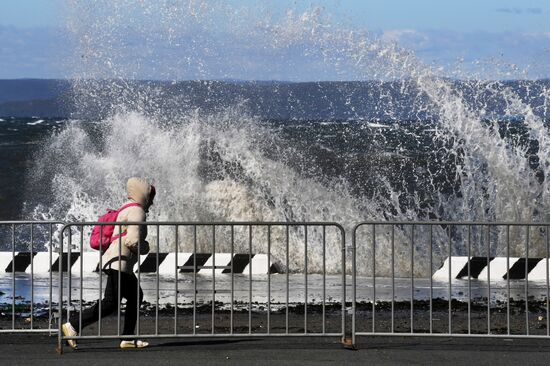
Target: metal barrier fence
[233,305]
[21,241]
[456,279]
[459,279]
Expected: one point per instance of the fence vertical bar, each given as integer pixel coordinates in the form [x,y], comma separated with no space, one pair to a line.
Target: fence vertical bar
[412,278]
[392,278]
[158,283]
[353,283]
[450,284]
[69,273]
[305,279]
[324,279]
[213,276]
[547,284]
[60,300]
[508,278]
[32,276]
[488,278]
[81,277]
[138,302]
[176,281]
[343,245]
[373,277]
[13,277]
[469,280]
[232,277]
[119,280]
[250,279]
[50,280]
[527,279]
[194,279]
[100,272]
[287,237]
[268,279]
[431,278]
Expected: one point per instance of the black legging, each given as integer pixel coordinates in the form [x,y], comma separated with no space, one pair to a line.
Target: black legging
[109,304]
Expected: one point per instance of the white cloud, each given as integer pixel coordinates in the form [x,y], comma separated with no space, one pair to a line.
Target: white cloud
[396,35]
[46,53]
[519,11]
[496,52]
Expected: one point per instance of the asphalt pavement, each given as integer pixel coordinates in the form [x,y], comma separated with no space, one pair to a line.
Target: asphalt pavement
[39,349]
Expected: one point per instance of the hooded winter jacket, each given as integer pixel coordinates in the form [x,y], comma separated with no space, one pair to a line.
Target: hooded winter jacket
[139,191]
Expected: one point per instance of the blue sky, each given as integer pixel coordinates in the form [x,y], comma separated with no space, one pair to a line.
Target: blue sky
[466,33]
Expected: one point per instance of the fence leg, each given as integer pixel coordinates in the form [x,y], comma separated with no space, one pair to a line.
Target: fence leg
[347,342]
[59,348]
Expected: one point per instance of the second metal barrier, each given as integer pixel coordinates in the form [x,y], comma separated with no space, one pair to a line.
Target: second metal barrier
[459,279]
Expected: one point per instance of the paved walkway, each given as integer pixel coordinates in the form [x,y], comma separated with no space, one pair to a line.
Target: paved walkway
[34,349]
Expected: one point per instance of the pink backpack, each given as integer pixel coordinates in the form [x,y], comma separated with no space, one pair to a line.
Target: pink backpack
[103,237]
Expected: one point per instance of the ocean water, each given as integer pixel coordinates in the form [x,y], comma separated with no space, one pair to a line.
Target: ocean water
[330,286]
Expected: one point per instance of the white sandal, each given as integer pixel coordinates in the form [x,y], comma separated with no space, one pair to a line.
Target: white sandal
[69,331]
[133,344]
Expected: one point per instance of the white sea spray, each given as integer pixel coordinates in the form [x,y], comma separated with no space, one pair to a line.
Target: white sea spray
[494,178]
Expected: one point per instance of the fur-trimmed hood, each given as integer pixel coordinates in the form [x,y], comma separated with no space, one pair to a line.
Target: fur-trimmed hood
[140,191]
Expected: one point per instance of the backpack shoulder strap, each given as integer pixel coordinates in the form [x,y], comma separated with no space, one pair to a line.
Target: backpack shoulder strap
[132,204]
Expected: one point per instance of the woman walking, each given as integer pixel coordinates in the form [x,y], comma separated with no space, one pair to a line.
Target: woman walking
[118,262]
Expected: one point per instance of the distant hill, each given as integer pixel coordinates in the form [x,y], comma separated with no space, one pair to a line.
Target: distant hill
[396,100]
[33,97]
[28,89]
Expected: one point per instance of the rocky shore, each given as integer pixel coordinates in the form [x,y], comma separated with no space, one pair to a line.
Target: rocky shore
[275,318]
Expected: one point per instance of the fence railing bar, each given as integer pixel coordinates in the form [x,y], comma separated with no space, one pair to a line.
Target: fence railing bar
[508,278]
[158,284]
[374,278]
[81,279]
[343,246]
[250,279]
[69,274]
[412,279]
[194,279]
[32,276]
[208,335]
[268,279]
[469,280]
[176,270]
[441,223]
[305,278]
[431,278]
[392,279]
[527,279]
[50,276]
[353,285]
[213,279]
[60,291]
[232,279]
[325,279]
[450,284]
[119,281]
[100,271]
[488,227]
[138,289]
[547,283]
[287,237]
